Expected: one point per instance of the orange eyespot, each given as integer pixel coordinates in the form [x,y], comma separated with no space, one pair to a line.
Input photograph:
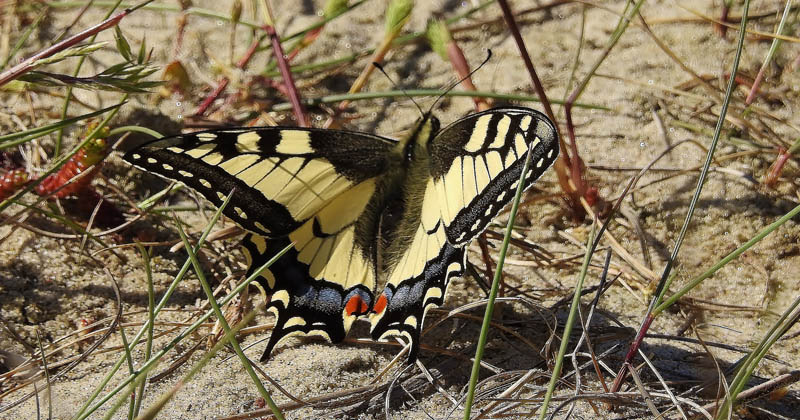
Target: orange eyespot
[356,306]
[381,304]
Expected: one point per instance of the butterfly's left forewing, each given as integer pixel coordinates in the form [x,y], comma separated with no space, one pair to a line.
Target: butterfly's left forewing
[282,176]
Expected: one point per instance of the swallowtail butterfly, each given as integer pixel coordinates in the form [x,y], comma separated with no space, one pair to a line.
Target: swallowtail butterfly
[361,210]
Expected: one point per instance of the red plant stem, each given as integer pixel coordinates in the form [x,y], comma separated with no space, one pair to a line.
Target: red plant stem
[223,82]
[286,74]
[721,29]
[509,17]
[632,352]
[221,85]
[179,37]
[777,167]
[564,161]
[754,89]
[575,162]
[310,37]
[459,63]
[27,64]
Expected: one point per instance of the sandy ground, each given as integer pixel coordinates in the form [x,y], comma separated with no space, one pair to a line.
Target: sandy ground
[47,286]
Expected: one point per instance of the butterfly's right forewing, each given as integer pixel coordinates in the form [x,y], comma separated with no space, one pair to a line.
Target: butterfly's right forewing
[477,161]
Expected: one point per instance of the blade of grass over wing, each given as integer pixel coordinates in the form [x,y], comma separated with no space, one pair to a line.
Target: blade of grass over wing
[87,409]
[221,319]
[498,273]
[666,277]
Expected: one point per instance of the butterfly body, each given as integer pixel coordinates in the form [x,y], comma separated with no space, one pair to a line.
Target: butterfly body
[360,210]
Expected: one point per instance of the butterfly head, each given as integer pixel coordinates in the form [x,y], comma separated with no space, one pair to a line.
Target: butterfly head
[426,128]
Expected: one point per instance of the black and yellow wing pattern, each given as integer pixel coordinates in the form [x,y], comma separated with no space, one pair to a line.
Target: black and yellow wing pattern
[359,210]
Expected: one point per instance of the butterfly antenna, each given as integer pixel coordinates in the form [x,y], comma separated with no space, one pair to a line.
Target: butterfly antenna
[452,86]
[380,67]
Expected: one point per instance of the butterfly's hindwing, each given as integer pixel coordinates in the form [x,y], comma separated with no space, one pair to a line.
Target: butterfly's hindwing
[282,176]
[476,163]
[417,282]
[303,304]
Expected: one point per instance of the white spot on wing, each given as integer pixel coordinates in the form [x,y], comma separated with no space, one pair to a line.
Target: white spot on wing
[525,123]
[206,136]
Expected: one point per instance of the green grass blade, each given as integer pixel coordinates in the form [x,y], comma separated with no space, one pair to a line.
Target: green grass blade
[221,319]
[22,39]
[666,279]
[745,370]
[498,273]
[571,319]
[728,258]
[285,106]
[153,411]
[151,318]
[87,408]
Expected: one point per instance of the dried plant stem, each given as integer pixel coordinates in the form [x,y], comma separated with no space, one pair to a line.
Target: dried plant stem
[563,161]
[288,80]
